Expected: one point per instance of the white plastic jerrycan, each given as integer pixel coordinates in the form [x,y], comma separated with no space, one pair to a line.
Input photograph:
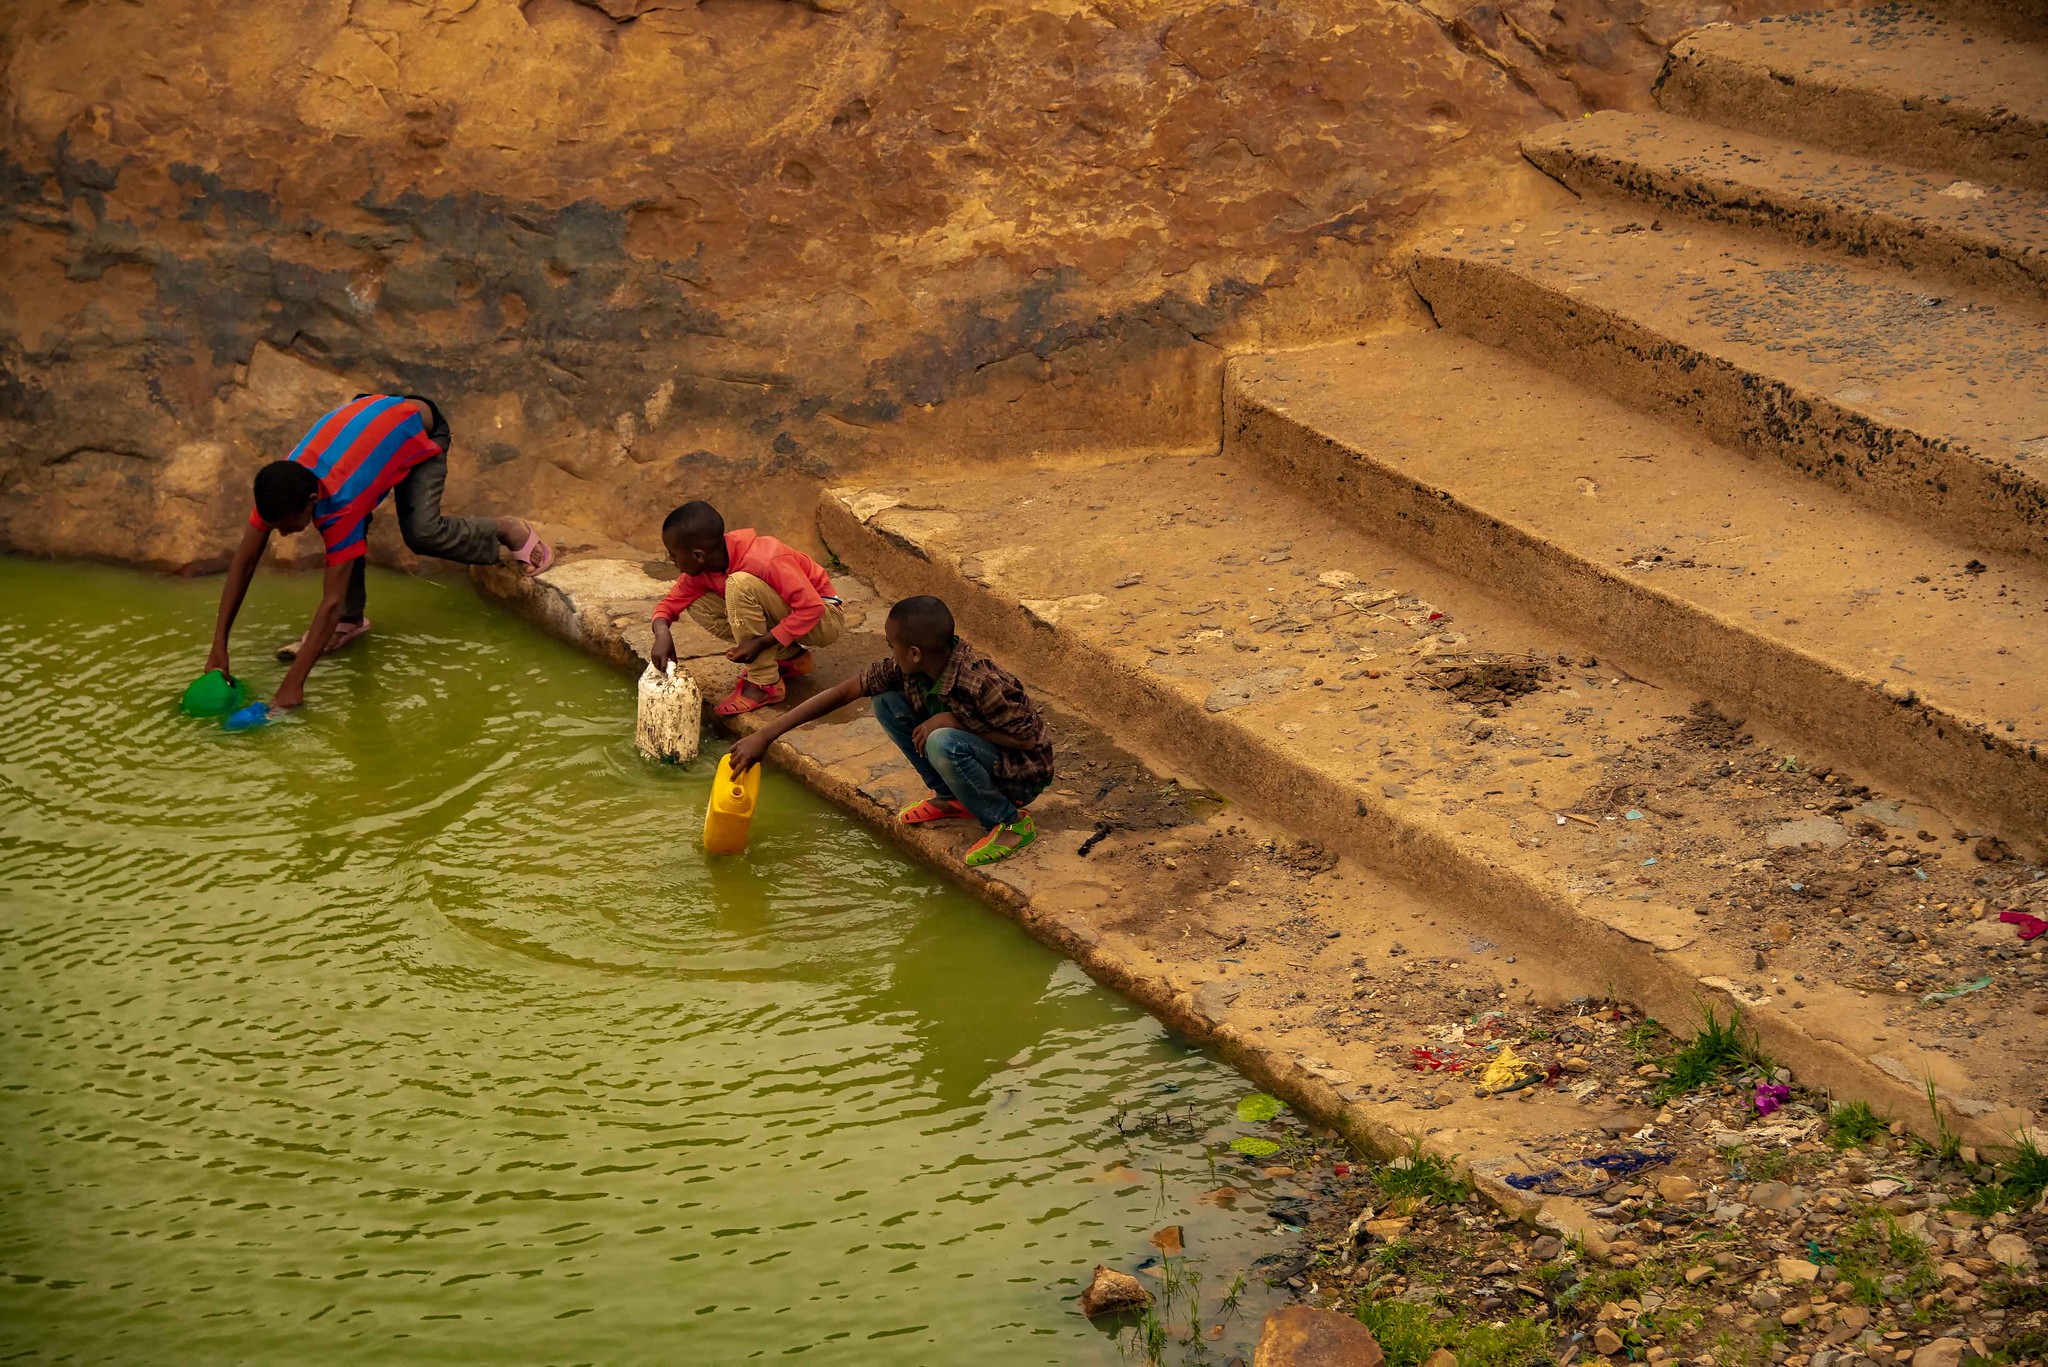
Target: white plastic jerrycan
[671,715]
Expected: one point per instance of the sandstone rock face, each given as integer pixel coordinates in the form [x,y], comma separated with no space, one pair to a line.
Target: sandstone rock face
[641,249]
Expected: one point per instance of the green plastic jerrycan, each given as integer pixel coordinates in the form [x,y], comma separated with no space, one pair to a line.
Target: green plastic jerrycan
[213,693]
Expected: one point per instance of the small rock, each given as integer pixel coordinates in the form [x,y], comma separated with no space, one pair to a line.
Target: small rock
[1302,1336]
[1854,1318]
[1677,1188]
[1110,1292]
[1546,1247]
[1498,1267]
[1943,1352]
[1442,1357]
[2011,1250]
[1796,1314]
[1169,1240]
[1777,1196]
[1695,1275]
[1766,1299]
[1797,1270]
[1607,1343]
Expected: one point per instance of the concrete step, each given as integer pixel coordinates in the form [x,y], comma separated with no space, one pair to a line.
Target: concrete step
[1989,236]
[1774,595]
[1893,82]
[1339,687]
[1928,404]
[1220,927]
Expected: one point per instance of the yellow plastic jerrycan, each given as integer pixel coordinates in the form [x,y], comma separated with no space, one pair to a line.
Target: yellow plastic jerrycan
[731,809]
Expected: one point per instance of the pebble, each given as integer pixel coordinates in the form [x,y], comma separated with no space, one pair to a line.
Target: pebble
[2011,1250]
[1943,1352]
[1777,1196]
[1797,1269]
[1677,1188]
[1607,1343]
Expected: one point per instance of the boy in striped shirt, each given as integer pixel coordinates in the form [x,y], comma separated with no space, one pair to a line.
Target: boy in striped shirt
[373,446]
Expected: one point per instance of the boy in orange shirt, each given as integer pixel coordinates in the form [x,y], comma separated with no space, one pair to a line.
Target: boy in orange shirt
[773,602]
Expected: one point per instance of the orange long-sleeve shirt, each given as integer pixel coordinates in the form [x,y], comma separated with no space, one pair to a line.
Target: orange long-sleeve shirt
[799,580]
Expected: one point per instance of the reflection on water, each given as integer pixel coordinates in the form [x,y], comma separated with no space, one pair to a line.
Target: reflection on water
[417,1028]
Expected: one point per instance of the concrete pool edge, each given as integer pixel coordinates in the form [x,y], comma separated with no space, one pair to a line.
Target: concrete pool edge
[599,600]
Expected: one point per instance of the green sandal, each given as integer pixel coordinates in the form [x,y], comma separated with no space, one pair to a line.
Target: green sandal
[1002,842]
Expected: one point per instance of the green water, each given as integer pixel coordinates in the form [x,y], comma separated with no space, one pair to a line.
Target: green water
[417,1028]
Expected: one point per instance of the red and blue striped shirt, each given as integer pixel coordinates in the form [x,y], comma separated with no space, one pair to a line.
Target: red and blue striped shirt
[359,453]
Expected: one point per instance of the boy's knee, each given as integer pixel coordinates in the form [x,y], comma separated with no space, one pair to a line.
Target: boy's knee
[751,587]
[425,535]
[955,747]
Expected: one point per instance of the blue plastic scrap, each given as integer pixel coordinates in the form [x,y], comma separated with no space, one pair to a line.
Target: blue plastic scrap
[1588,1176]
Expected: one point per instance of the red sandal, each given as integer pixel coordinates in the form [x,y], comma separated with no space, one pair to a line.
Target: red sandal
[738,702]
[797,667]
[934,809]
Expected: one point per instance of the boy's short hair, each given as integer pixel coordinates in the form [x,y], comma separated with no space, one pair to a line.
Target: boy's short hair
[284,488]
[695,523]
[924,622]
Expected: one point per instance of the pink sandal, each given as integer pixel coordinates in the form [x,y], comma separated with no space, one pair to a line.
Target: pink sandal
[737,702]
[345,634]
[537,555]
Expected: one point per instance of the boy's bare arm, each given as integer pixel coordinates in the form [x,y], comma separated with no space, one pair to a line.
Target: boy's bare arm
[240,571]
[748,750]
[333,585]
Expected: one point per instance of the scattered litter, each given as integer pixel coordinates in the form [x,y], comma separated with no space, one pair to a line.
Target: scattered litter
[1770,1096]
[1588,1176]
[2030,926]
[1436,1061]
[1652,860]
[1959,990]
[1508,1072]
[1634,815]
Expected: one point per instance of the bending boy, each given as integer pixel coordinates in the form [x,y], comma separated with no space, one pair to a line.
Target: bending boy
[371,446]
[771,601]
[963,721]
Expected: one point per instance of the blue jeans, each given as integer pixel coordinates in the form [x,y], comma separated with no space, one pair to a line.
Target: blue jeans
[955,764]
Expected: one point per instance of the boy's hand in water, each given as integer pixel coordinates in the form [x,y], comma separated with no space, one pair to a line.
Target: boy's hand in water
[925,728]
[289,695]
[747,751]
[218,659]
[745,651]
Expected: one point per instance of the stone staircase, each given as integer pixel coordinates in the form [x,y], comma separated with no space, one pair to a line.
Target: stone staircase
[1756,431]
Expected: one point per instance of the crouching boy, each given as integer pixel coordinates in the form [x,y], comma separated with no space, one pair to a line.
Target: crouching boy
[963,721]
[771,601]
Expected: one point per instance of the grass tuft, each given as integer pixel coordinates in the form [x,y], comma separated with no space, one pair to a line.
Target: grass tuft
[1720,1050]
[1852,1124]
[1947,1145]
[1424,1175]
[2022,1177]
[1408,1334]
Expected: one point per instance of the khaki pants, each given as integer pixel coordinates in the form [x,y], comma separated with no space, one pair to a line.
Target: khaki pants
[750,608]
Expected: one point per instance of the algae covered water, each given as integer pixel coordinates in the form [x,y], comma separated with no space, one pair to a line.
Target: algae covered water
[417,1028]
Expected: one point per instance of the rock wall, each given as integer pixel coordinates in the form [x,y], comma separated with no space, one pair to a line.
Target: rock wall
[641,249]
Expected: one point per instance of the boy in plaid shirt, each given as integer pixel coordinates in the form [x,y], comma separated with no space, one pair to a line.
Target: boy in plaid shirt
[963,721]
